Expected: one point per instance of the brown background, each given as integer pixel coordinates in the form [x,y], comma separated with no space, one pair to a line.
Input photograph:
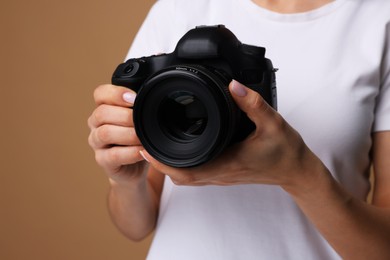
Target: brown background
[52,194]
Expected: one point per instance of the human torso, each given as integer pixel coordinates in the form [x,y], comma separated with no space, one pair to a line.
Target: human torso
[328,82]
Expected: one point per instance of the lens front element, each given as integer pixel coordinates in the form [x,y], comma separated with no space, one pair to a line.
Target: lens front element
[184,116]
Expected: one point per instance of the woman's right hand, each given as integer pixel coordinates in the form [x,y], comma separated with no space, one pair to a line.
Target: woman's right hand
[113,138]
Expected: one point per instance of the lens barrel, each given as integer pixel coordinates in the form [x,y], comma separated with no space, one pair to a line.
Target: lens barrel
[185,116]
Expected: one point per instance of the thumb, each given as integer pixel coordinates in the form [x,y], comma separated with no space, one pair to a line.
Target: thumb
[155,163]
[251,102]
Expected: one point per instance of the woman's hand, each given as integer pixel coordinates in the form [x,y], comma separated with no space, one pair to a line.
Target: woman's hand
[112,135]
[134,194]
[273,154]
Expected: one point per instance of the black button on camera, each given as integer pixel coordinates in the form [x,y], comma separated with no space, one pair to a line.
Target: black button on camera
[131,69]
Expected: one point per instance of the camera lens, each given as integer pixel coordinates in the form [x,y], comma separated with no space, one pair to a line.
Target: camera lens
[184,116]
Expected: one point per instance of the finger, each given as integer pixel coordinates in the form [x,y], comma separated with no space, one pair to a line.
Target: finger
[251,102]
[108,114]
[114,95]
[163,168]
[107,135]
[159,166]
[117,156]
[179,176]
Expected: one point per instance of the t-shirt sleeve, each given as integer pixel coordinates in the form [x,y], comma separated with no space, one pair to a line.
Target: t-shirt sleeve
[382,111]
[153,34]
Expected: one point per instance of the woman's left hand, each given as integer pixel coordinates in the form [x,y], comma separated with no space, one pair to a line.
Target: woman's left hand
[274,153]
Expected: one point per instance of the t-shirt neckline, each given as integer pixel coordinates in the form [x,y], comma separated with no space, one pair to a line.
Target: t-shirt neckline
[294,17]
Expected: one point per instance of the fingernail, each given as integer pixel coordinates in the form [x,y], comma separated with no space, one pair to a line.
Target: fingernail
[239,89]
[129,97]
[143,155]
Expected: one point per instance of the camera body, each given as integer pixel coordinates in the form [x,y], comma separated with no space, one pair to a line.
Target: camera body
[184,114]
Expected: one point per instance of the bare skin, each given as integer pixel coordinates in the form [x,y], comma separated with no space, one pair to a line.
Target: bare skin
[289,7]
[354,228]
[347,224]
[135,188]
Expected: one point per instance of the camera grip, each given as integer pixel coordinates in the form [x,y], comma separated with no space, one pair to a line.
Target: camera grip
[130,74]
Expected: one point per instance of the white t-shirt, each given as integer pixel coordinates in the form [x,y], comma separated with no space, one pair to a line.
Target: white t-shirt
[333,88]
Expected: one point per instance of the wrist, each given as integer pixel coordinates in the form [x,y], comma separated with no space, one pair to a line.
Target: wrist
[129,179]
[311,177]
[133,182]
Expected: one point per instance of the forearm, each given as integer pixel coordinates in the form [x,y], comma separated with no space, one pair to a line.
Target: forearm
[355,229]
[133,208]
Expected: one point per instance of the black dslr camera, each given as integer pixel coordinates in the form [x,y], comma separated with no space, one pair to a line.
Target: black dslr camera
[184,114]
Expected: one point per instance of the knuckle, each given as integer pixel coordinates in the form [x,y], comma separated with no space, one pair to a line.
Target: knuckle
[90,140]
[103,134]
[99,158]
[259,103]
[113,156]
[275,126]
[100,114]
[183,179]
[90,123]
[97,93]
